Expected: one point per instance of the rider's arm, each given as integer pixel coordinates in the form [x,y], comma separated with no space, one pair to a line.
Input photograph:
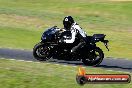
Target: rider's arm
[73,34]
[83,33]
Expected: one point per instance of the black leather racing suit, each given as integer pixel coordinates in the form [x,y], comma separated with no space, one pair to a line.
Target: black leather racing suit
[76,30]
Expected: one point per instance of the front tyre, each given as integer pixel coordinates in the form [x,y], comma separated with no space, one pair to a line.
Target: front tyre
[94,59]
[41,52]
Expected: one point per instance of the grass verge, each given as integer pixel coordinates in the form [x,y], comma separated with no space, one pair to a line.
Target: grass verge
[15,74]
[22,22]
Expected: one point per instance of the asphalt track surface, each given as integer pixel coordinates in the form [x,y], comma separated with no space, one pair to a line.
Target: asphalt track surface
[108,63]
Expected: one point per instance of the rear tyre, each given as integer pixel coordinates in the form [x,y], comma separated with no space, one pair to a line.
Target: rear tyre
[41,52]
[95,59]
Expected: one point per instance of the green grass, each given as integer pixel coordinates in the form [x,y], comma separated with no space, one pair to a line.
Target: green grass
[23,21]
[19,38]
[15,74]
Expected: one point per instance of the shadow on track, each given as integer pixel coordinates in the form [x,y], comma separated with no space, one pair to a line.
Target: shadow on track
[102,65]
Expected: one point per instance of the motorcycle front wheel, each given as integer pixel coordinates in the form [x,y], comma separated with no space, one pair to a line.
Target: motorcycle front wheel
[41,52]
[94,59]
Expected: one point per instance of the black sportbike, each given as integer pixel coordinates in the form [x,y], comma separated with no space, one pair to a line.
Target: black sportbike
[49,47]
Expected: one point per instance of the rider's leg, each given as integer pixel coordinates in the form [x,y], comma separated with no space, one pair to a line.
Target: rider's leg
[74,49]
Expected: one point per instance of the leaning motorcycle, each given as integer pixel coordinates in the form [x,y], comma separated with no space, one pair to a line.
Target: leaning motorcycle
[49,47]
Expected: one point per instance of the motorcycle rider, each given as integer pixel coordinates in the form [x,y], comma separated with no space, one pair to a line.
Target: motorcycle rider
[75,30]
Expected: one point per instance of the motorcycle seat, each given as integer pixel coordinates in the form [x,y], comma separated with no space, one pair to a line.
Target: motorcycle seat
[98,36]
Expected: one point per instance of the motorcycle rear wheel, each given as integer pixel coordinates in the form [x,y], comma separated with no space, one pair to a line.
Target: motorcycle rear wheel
[94,61]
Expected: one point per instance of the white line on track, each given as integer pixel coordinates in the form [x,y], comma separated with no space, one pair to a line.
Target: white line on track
[47,63]
[65,65]
[12,59]
[60,64]
[74,66]
[22,60]
[29,61]
[120,71]
[57,64]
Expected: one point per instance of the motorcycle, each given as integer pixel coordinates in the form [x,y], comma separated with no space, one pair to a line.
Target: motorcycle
[49,47]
